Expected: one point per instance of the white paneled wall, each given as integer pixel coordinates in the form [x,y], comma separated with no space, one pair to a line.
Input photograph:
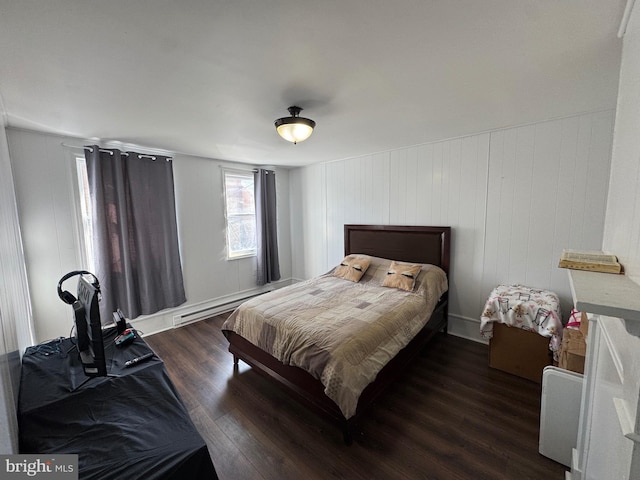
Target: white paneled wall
[514,197]
[308,228]
[547,191]
[16,325]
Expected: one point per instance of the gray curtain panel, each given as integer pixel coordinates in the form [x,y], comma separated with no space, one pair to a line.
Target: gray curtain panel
[266,226]
[135,232]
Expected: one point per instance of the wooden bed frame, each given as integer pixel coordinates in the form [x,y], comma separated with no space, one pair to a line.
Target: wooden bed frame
[416,244]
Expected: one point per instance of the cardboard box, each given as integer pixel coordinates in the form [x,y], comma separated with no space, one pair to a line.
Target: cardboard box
[573,350]
[519,352]
[584,325]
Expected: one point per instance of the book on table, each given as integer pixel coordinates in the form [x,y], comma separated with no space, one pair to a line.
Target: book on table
[590,261]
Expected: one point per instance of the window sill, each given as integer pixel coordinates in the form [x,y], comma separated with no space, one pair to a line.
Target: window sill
[240,257]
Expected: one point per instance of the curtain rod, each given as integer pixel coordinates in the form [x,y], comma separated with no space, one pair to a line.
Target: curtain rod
[109,151]
[254,170]
[238,169]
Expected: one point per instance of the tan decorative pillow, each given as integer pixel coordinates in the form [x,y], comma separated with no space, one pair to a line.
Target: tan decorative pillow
[402,276]
[352,268]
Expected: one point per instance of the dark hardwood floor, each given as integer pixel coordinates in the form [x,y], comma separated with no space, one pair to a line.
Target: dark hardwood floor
[447,417]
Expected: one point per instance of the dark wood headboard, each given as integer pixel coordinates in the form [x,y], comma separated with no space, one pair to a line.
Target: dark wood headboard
[415,244]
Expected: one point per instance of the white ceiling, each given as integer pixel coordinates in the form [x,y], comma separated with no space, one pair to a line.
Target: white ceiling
[209,78]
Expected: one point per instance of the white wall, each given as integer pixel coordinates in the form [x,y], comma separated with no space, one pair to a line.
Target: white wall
[15,309]
[515,198]
[622,228]
[46,194]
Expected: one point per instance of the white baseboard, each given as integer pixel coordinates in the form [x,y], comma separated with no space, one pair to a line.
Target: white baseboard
[166,319]
[465,327]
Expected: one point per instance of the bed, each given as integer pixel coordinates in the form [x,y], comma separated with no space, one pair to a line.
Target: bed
[255,331]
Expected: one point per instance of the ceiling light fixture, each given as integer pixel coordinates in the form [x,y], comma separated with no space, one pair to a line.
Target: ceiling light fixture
[295,128]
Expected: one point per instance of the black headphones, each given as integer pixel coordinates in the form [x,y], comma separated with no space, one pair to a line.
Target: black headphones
[66,296]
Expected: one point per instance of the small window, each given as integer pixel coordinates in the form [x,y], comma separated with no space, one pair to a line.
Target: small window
[241,214]
[85,212]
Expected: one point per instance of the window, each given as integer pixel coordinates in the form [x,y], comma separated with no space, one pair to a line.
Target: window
[240,214]
[85,212]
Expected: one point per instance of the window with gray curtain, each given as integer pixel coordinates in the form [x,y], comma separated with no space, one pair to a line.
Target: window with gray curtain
[266,226]
[135,235]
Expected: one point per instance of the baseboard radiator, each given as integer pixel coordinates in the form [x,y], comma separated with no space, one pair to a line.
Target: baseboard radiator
[211,310]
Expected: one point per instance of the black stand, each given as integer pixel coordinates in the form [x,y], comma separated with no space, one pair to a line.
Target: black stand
[88,379]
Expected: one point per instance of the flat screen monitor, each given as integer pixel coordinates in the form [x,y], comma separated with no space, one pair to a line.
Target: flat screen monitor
[89,329]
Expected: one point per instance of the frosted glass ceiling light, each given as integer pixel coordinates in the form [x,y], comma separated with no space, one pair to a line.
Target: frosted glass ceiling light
[294,128]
